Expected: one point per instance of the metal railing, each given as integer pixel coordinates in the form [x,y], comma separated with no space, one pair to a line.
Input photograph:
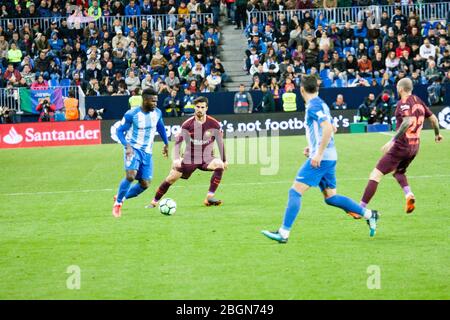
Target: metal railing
[159,22]
[10,97]
[425,11]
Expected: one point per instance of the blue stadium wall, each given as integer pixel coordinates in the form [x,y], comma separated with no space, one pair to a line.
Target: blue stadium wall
[222,102]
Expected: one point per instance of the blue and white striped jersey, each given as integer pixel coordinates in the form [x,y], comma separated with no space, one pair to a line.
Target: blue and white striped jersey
[142,126]
[317,112]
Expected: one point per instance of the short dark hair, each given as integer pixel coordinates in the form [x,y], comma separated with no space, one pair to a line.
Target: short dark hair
[309,83]
[149,92]
[200,100]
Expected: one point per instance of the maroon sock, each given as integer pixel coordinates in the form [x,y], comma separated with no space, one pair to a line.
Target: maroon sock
[215,180]
[371,188]
[162,190]
[401,179]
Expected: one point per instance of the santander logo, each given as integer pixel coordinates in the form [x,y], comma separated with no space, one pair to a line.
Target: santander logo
[12,137]
[44,134]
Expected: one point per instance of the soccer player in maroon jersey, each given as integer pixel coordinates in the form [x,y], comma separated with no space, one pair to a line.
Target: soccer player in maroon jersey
[402,149]
[199,133]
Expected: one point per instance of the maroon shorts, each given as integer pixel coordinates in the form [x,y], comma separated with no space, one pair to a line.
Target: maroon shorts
[188,168]
[396,161]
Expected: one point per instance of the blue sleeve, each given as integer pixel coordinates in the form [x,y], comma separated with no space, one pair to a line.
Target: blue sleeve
[127,121]
[162,130]
[317,113]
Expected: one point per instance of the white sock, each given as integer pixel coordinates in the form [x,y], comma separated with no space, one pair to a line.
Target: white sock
[284,233]
[367,214]
[409,194]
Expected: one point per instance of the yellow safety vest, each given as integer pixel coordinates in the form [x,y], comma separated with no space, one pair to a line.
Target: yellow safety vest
[289,101]
[135,101]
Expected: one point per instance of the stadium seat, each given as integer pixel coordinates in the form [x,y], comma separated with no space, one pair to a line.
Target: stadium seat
[324,73]
[53,82]
[327,83]
[64,83]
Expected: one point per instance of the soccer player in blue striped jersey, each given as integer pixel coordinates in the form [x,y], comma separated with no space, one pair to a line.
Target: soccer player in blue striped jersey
[143,122]
[320,168]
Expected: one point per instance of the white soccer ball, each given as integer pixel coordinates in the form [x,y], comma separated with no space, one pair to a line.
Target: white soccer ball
[167,206]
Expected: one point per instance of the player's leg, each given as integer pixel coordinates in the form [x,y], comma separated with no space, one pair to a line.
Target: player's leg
[173,176]
[400,176]
[387,163]
[334,199]
[292,209]
[144,176]
[307,177]
[217,166]
[124,186]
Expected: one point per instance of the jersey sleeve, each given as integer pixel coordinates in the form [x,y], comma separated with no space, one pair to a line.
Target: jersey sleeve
[219,140]
[428,112]
[161,128]
[317,113]
[125,125]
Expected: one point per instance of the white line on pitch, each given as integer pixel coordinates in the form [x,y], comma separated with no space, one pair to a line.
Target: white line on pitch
[202,185]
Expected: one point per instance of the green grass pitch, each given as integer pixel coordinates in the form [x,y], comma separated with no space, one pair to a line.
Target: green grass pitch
[219,253]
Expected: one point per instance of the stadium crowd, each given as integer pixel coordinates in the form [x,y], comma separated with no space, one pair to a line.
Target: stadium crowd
[117,58]
[367,52]
[362,54]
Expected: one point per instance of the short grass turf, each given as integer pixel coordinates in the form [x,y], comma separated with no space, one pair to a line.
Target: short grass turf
[55,212]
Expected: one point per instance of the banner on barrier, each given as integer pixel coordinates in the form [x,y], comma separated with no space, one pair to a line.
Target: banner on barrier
[286,124]
[46,134]
[29,99]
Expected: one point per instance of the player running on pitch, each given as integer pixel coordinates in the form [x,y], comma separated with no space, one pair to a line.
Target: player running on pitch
[144,122]
[199,133]
[402,149]
[320,168]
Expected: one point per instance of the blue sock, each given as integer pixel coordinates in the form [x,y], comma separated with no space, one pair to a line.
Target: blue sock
[345,203]
[123,189]
[134,191]
[293,208]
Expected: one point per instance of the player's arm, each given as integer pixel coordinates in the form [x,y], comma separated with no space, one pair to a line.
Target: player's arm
[122,130]
[177,147]
[160,127]
[221,145]
[406,123]
[327,131]
[435,124]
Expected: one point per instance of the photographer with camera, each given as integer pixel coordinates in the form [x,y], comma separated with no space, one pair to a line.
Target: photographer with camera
[93,114]
[47,110]
[6,115]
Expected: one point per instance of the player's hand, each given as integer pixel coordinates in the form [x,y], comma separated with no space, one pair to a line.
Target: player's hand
[129,152]
[315,161]
[225,165]
[385,149]
[176,163]
[334,129]
[438,138]
[165,151]
[306,152]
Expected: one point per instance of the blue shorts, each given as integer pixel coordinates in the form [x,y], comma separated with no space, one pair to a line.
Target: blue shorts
[142,162]
[323,176]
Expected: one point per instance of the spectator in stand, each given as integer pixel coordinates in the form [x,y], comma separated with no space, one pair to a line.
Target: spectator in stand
[427,49]
[12,75]
[365,67]
[432,72]
[339,104]
[172,105]
[132,9]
